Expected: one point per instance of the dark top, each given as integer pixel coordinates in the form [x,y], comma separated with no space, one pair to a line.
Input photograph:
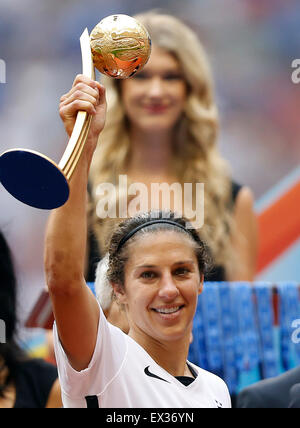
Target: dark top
[280,392]
[187,380]
[216,274]
[295,397]
[34,381]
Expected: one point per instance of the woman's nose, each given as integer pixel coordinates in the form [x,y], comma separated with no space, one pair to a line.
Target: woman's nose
[168,289]
[155,89]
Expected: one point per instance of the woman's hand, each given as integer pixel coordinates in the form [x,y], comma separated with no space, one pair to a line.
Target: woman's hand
[85,95]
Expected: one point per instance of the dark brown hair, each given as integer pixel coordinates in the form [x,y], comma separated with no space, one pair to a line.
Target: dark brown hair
[119,256]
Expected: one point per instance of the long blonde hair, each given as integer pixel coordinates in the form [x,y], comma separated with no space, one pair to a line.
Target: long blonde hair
[197,158]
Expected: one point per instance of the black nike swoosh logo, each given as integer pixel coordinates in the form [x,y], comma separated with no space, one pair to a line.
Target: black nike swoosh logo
[148,373]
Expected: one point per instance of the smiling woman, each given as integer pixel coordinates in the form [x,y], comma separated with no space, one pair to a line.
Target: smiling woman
[156,267]
[163,127]
[163,81]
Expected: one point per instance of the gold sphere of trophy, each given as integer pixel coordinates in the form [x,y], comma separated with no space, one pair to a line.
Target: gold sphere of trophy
[118,47]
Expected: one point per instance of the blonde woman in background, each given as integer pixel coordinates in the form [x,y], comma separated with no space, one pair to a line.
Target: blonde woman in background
[162,127]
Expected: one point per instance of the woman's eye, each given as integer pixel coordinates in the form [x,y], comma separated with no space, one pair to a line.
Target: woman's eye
[148,275]
[182,271]
[173,76]
[140,76]
[168,76]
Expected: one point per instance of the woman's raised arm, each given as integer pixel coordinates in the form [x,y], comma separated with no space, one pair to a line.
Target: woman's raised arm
[75,309]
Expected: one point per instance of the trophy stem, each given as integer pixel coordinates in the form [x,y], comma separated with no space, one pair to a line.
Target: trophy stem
[79,135]
[73,160]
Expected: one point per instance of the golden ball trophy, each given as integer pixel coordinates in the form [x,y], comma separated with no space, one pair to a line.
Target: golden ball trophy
[118,46]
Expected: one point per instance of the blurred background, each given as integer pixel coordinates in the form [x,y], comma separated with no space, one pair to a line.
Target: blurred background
[251,45]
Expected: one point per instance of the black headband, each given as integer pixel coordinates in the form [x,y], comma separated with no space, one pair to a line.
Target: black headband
[149,223]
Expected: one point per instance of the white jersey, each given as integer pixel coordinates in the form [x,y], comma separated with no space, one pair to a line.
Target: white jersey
[121,374]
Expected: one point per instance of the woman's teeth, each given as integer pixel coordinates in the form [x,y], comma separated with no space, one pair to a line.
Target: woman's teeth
[167,310]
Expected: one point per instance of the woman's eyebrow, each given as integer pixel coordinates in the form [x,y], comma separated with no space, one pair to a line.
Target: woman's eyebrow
[161,70]
[145,266]
[185,262]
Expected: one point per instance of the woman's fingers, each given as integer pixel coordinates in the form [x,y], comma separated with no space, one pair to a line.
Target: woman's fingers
[82,82]
[72,108]
[83,89]
[78,96]
[81,78]
[85,95]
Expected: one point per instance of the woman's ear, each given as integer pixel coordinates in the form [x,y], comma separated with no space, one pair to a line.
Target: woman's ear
[200,289]
[119,293]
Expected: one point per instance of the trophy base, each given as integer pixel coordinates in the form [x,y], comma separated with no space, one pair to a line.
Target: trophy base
[33,179]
